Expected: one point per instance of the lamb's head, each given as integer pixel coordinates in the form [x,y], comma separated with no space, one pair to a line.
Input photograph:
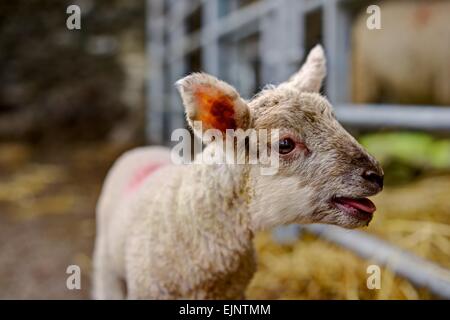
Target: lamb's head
[324,174]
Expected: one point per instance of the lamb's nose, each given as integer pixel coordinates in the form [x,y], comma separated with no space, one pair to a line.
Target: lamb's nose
[374,177]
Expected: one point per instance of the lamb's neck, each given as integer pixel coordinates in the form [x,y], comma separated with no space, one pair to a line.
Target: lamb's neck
[219,204]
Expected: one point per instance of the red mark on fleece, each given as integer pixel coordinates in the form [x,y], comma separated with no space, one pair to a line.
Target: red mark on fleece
[216,110]
[423,15]
[141,174]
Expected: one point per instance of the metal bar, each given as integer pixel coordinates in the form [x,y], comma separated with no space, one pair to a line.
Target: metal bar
[155,79]
[241,17]
[418,270]
[176,69]
[296,28]
[187,8]
[374,116]
[287,39]
[210,39]
[228,24]
[336,31]
[268,47]
[280,51]
[311,5]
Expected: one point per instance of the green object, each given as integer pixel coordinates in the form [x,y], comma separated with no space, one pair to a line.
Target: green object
[405,155]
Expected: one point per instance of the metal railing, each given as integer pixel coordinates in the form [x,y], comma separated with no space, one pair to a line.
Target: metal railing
[280,52]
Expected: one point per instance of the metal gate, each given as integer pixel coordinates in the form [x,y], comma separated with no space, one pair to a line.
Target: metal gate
[245,42]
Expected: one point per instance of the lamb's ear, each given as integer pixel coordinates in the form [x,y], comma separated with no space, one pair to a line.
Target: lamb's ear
[310,76]
[213,102]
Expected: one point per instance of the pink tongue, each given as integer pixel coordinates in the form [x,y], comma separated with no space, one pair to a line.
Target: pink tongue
[362,204]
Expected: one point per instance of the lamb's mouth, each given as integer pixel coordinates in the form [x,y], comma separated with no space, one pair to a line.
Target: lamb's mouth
[360,208]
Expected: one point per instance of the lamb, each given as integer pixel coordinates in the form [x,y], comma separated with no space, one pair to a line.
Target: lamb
[169,231]
[413,67]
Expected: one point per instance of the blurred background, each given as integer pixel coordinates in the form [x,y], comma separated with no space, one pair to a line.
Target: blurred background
[72,100]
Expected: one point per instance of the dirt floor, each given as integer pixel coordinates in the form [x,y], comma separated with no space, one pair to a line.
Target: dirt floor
[47,201]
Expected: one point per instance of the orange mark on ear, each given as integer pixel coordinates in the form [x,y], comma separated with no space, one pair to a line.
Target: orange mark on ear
[216,110]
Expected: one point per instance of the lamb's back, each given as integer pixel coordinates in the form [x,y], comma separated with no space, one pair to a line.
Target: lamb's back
[124,181]
[126,175]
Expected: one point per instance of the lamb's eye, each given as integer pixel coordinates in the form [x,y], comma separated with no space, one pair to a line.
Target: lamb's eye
[286,145]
